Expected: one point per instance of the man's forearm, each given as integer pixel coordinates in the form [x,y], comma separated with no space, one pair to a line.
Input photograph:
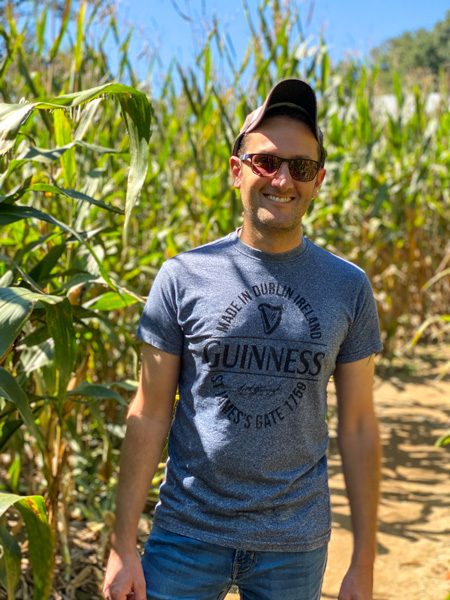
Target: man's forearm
[148,423]
[141,453]
[361,457]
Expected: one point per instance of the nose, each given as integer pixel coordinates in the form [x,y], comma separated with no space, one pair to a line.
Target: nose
[283,177]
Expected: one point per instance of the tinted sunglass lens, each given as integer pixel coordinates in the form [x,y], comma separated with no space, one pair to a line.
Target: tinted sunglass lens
[303,169]
[266,164]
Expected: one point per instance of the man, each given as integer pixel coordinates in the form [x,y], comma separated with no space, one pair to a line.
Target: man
[250,328]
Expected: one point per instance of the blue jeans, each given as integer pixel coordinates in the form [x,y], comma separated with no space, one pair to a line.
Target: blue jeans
[181,568]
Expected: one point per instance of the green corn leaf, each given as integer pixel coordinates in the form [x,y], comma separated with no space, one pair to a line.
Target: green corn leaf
[13,165]
[47,156]
[74,195]
[136,112]
[11,390]
[40,539]
[40,29]
[80,279]
[7,430]
[97,391]
[10,214]
[7,279]
[14,473]
[62,31]
[45,266]
[113,301]
[9,560]
[39,335]
[398,88]
[12,116]
[207,66]
[17,192]
[39,354]
[63,137]
[86,118]
[187,91]
[129,385]
[78,51]
[137,115]
[325,72]
[16,305]
[33,83]
[60,326]
[11,53]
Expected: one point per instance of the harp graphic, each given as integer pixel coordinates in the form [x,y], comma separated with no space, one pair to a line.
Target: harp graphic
[271,316]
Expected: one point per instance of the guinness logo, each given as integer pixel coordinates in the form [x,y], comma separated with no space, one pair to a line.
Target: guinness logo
[271,316]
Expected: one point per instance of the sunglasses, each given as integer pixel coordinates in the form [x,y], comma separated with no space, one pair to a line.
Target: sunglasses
[268,165]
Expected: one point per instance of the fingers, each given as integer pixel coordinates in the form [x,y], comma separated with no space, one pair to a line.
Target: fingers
[139,590]
[124,578]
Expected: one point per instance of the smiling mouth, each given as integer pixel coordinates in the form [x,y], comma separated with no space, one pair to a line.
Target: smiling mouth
[279,199]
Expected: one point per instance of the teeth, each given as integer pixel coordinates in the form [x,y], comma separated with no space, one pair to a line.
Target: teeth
[279,198]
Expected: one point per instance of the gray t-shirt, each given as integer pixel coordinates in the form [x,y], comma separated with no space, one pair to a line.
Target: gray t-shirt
[259,336]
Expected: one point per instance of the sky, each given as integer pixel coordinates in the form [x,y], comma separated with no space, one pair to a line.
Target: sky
[349,26]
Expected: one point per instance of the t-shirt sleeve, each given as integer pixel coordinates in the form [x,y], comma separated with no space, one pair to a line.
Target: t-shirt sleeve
[363,338]
[159,323]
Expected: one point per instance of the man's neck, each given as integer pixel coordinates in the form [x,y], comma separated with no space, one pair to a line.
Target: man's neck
[275,243]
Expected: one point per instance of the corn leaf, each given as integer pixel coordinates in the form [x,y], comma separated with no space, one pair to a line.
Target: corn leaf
[96,390]
[137,115]
[11,390]
[62,31]
[7,430]
[44,155]
[16,305]
[11,214]
[9,560]
[40,539]
[78,53]
[63,137]
[60,326]
[113,301]
[12,116]
[136,112]
[73,194]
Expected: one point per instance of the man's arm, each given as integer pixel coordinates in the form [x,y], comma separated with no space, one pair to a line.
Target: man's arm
[148,422]
[359,445]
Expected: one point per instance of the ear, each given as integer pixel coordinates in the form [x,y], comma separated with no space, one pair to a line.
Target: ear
[235,165]
[319,180]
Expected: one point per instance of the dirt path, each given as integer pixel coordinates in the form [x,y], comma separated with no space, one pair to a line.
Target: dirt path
[413,560]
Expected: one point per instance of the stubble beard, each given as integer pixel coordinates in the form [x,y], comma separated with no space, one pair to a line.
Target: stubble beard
[263,220]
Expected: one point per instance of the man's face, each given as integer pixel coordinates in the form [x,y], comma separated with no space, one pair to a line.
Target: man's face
[274,206]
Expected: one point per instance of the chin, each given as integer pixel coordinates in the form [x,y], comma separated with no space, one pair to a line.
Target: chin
[280,226]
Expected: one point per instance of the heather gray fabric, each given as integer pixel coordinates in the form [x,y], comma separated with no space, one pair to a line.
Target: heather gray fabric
[259,335]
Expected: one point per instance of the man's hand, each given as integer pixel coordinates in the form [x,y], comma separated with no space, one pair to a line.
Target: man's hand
[357,584]
[124,578]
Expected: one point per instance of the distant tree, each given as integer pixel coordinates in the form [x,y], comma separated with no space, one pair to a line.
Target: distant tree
[420,54]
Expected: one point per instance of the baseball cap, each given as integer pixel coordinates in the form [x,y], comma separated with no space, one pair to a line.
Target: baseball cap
[287,92]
